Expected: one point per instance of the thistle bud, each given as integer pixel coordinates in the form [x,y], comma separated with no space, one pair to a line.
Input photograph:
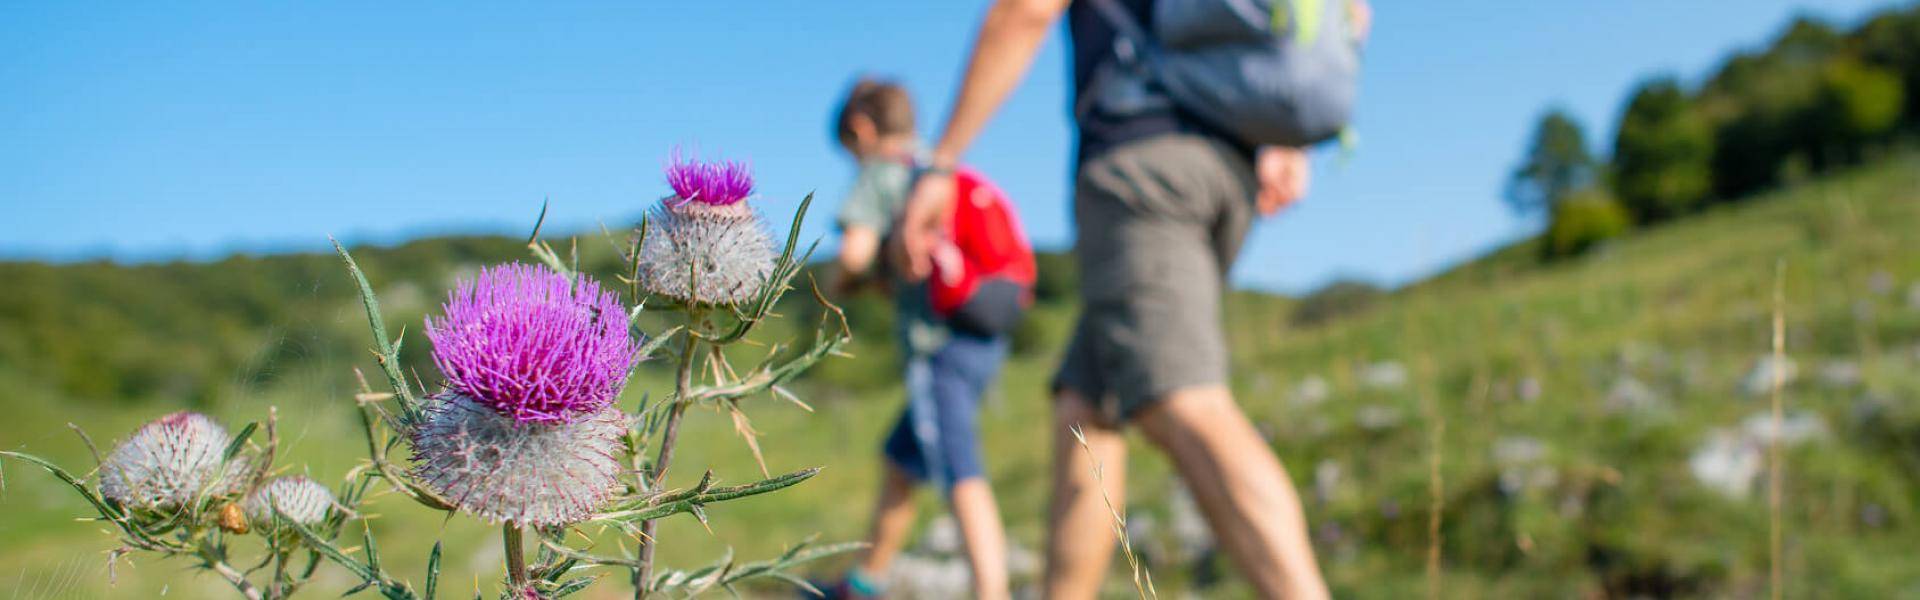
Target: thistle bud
[166,463]
[297,498]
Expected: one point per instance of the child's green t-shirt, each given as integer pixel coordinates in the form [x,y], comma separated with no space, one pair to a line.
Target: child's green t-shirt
[878,196]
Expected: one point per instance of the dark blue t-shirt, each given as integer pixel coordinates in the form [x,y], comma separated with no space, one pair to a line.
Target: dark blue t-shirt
[1092,41]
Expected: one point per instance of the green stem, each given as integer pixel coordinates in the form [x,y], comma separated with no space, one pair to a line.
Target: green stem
[683,381]
[516,555]
[670,503]
[232,575]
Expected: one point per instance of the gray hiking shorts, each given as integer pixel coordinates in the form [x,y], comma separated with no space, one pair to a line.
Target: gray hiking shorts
[1160,220]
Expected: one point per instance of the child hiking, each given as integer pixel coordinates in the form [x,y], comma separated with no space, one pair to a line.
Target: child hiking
[951,334]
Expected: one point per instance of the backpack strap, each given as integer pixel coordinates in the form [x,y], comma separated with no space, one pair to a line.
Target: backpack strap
[1122,21]
[1130,45]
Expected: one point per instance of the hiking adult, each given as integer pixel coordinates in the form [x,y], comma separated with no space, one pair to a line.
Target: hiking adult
[1167,182]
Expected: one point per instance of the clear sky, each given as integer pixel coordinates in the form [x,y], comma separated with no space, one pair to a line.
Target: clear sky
[155,131]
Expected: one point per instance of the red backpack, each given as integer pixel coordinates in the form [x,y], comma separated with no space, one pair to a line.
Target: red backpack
[983,277]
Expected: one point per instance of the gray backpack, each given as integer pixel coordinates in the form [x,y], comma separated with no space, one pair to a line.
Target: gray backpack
[1269,72]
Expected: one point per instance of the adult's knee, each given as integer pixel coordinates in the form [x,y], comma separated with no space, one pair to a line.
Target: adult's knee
[1187,413]
[1073,409]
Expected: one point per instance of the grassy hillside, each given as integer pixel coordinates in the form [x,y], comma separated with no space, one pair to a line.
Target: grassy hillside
[1570,404]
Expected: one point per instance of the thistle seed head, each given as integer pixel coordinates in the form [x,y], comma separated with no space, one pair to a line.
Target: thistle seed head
[532,344]
[530,473]
[166,463]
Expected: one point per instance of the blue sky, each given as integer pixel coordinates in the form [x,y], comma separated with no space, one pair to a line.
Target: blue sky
[156,131]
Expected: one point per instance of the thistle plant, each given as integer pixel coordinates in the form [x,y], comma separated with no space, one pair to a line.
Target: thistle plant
[524,427]
[181,487]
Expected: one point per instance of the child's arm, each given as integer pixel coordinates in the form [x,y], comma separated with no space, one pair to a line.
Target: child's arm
[858,247]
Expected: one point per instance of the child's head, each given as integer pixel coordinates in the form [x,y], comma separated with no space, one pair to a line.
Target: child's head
[876,116]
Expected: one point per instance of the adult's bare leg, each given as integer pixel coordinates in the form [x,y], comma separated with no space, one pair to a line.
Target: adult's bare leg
[1241,488]
[1080,535]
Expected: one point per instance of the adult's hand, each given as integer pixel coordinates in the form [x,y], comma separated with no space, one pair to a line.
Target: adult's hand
[1003,48]
[928,208]
[1283,174]
[1360,15]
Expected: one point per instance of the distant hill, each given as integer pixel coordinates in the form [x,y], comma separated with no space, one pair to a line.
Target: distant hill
[1600,431]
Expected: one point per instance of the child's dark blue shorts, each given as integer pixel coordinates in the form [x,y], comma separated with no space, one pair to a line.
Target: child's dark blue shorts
[937,438]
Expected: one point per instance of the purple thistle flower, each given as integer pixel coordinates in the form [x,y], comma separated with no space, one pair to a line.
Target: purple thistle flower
[167,463]
[719,183]
[533,344]
[492,467]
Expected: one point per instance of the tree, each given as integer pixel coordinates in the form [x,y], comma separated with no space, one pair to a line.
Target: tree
[1342,297]
[1807,39]
[1662,154]
[1584,219]
[1891,40]
[1557,164]
[1859,105]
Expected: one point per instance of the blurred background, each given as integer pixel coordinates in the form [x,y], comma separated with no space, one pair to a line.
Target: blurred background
[1546,264]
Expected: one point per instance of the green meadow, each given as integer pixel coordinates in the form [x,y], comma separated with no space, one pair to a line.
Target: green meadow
[1582,427]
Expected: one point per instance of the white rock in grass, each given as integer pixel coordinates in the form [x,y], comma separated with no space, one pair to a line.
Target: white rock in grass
[1880,283]
[1731,459]
[1840,373]
[1326,479]
[1387,375]
[1759,379]
[1529,389]
[1376,417]
[1727,462]
[1630,395]
[1144,531]
[1794,428]
[942,536]
[1191,536]
[915,575]
[1518,450]
[1023,562]
[1643,355]
[1310,392]
[1521,462]
[1913,296]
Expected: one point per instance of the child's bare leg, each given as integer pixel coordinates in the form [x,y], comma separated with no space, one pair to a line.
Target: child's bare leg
[892,520]
[979,519]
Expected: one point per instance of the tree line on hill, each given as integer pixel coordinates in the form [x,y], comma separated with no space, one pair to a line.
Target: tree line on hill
[1814,100]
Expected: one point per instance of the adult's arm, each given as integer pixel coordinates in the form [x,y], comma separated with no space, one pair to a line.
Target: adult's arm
[1003,50]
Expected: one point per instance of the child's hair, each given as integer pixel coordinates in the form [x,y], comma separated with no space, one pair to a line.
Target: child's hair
[879,100]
